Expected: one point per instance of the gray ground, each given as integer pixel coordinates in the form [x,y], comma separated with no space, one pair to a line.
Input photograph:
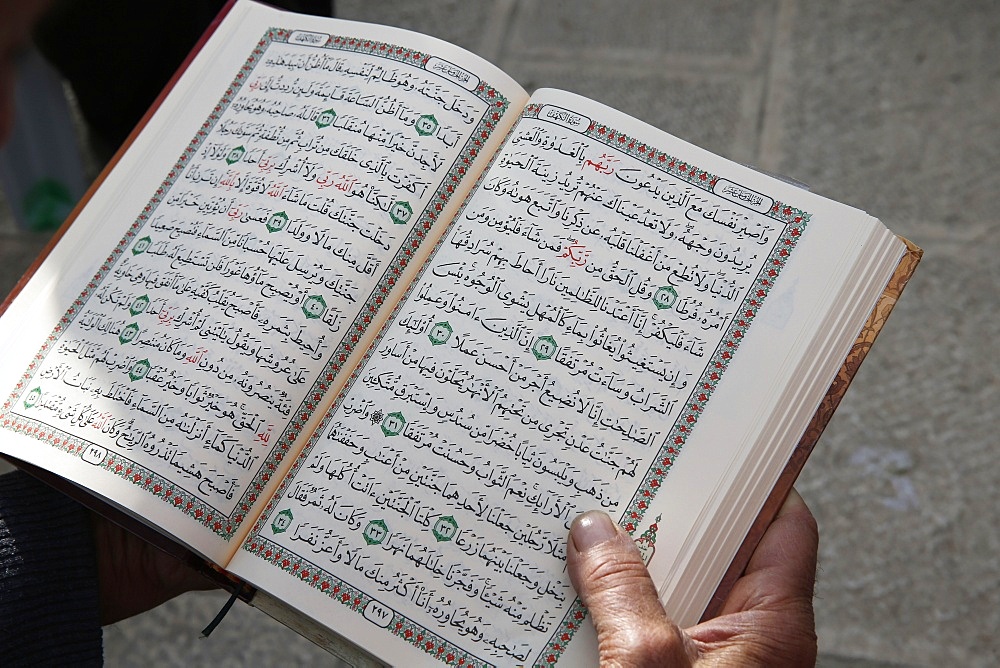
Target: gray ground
[890,105]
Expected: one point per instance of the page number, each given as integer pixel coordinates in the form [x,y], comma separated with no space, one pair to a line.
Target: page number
[94,454]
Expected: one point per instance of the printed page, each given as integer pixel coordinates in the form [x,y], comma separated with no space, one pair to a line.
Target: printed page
[555,356]
[178,373]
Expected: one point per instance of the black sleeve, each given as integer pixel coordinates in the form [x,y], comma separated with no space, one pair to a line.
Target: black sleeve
[49,611]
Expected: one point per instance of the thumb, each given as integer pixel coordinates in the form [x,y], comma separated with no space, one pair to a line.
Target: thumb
[609,575]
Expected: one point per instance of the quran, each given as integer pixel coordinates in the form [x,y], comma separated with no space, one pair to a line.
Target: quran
[362,324]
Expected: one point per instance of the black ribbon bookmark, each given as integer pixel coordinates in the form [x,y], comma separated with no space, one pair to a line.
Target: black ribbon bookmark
[222,613]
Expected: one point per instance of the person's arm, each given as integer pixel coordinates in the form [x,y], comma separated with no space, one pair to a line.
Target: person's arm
[65,572]
[767,619]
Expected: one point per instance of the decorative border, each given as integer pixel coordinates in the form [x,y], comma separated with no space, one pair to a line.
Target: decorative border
[223,526]
[356,601]
[667,163]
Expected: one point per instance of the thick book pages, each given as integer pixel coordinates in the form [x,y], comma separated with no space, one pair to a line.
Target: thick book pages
[360,322]
[869,332]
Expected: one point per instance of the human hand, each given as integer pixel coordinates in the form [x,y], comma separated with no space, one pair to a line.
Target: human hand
[766,620]
[135,576]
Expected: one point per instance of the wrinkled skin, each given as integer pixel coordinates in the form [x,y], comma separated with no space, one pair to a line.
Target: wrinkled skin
[767,619]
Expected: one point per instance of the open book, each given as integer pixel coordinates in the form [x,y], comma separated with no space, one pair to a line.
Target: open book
[363,324]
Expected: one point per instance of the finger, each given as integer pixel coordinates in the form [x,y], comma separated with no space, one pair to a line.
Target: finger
[768,617]
[789,546]
[609,575]
[783,567]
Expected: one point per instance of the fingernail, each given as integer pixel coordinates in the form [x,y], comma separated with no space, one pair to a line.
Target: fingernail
[591,529]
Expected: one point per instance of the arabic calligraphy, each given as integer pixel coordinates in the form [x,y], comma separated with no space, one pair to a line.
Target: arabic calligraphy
[535,370]
[193,353]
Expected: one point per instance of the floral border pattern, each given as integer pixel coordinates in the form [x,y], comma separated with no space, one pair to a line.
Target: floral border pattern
[356,601]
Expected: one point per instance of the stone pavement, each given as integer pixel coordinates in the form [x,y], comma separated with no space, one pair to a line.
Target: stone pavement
[891,106]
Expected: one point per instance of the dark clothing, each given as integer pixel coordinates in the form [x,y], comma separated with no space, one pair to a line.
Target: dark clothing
[49,613]
[118,54]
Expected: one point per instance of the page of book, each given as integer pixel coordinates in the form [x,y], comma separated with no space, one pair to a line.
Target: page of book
[174,346]
[556,355]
